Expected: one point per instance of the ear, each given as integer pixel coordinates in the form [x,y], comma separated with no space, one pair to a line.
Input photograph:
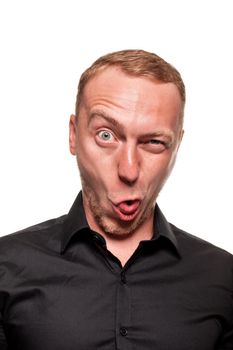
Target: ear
[73,134]
[180,138]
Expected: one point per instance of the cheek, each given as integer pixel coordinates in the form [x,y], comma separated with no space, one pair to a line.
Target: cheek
[95,169]
[171,163]
[158,169]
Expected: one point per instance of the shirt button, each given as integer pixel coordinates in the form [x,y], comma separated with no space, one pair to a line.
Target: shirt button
[123,331]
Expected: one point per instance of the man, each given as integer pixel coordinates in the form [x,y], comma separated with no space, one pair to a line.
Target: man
[113,273]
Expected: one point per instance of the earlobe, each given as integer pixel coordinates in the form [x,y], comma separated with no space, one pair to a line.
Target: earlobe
[72,134]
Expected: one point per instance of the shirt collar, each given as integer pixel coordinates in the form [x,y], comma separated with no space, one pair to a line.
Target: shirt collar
[76,222]
[162,228]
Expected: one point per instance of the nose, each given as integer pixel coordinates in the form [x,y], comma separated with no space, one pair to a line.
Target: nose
[128,164]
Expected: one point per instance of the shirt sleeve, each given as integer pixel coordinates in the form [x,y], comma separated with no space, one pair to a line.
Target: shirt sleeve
[226,342]
[3,342]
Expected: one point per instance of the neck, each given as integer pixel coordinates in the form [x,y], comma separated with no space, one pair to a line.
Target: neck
[123,246]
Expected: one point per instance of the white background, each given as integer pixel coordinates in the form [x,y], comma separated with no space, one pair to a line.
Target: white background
[44,47]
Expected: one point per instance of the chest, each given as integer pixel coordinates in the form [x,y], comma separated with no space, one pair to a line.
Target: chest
[113,310]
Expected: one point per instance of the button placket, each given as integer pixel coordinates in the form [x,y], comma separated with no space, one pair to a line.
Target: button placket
[123,312]
[123,277]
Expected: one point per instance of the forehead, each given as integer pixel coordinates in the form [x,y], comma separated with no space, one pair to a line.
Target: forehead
[114,90]
[114,79]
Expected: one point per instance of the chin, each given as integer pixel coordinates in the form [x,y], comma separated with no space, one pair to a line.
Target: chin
[109,225]
[121,229]
[117,231]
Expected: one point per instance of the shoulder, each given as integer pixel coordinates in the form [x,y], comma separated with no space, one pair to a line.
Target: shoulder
[25,253]
[203,255]
[195,244]
[39,235]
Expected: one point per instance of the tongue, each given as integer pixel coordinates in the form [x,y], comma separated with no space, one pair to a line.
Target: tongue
[129,207]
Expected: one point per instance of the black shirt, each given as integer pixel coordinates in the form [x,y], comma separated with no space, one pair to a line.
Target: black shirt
[61,289]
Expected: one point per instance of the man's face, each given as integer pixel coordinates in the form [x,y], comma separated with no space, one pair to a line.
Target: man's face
[126,138]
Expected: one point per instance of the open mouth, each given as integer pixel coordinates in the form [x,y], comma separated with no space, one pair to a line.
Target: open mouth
[127,210]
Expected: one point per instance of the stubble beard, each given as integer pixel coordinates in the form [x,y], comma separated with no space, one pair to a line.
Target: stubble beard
[119,229]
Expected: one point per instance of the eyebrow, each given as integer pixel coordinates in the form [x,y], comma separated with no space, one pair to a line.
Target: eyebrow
[102,114]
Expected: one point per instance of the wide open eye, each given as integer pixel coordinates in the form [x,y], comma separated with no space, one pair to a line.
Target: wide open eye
[105,135]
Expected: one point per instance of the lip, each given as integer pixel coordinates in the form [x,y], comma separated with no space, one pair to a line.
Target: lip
[127,210]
